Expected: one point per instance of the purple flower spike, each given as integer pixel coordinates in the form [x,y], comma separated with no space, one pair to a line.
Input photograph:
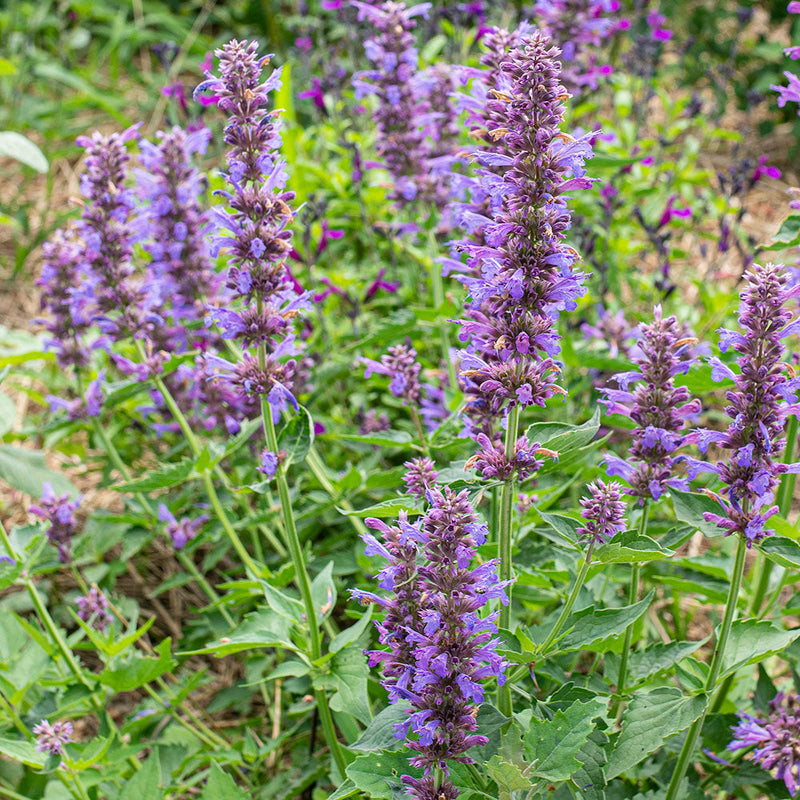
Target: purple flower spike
[421,476]
[762,397]
[776,739]
[51,738]
[656,405]
[441,650]
[94,606]
[183,531]
[59,511]
[604,512]
[401,366]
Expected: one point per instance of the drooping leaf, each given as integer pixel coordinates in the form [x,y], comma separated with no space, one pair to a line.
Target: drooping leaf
[262,628]
[352,634]
[656,658]
[651,719]
[552,745]
[166,475]
[323,592]
[297,436]
[781,550]
[384,510]
[383,438]
[21,148]
[630,547]
[380,733]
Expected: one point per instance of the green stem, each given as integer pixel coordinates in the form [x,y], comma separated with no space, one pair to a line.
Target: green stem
[573,596]
[302,580]
[785,494]
[687,751]
[187,562]
[437,287]
[317,467]
[633,594]
[504,545]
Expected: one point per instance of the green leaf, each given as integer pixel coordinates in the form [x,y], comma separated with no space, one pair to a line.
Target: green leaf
[166,475]
[380,733]
[384,510]
[146,783]
[565,527]
[347,676]
[628,548]
[552,745]
[564,438]
[297,436]
[378,774]
[384,438]
[26,470]
[220,786]
[651,719]
[8,414]
[22,149]
[347,789]
[351,634]
[592,625]
[788,234]
[751,641]
[507,776]
[282,604]
[656,658]
[262,628]
[781,550]
[19,750]
[587,783]
[323,592]
[140,670]
[690,507]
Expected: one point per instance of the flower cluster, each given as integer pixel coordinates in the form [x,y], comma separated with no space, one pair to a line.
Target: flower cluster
[59,511]
[791,92]
[493,463]
[762,397]
[604,512]
[520,273]
[94,606]
[254,231]
[401,365]
[183,531]
[657,406]
[441,649]
[776,739]
[421,476]
[51,737]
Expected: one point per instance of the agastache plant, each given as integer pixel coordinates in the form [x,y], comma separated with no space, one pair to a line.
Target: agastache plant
[658,407]
[762,397]
[441,649]
[521,273]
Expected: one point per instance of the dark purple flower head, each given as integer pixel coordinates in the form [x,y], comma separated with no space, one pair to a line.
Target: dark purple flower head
[762,397]
[429,788]
[421,476]
[183,531]
[604,512]
[371,421]
[94,607]
[401,366]
[441,649]
[59,511]
[493,464]
[51,738]
[657,406]
[776,739]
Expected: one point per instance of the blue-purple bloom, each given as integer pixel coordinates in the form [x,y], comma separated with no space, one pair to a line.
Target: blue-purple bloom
[604,512]
[180,531]
[421,476]
[441,651]
[94,606]
[59,512]
[401,366]
[51,737]
[762,397]
[657,406]
[775,737]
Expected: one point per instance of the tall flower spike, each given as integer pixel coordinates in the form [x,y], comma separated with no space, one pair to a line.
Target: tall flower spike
[657,406]
[401,366]
[442,650]
[254,230]
[776,739]
[94,606]
[521,274]
[762,398]
[59,511]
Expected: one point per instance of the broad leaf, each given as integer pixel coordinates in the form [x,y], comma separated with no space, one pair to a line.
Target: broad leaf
[347,676]
[384,510]
[753,640]
[297,436]
[20,750]
[690,507]
[220,786]
[323,592]
[587,783]
[262,628]
[378,774]
[628,548]
[140,670]
[654,659]
[380,733]
[507,776]
[651,719]
[146,783]
[352,634]
[383,438]
[26,470]
[552,745]
[21,148]
[161,478]
[781,550]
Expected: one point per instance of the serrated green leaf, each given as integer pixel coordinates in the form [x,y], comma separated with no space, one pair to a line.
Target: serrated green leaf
[21,148]
[23,751]
[380,734]
[649,720]
[262,628]
[347,676]
[384,510]
[690,507]
[552,745]
[788,234]
[352,634]
[592,625]
[781,550]
[656,658]
[140,670]
[589,781]
[629,547]
[26,470]
[146,783]
[8,414]
[751,641]
[378,774]
[565,527]
[220,786]
[166,475]
[323,592]
[567,438]
[507,776]
[297,436]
